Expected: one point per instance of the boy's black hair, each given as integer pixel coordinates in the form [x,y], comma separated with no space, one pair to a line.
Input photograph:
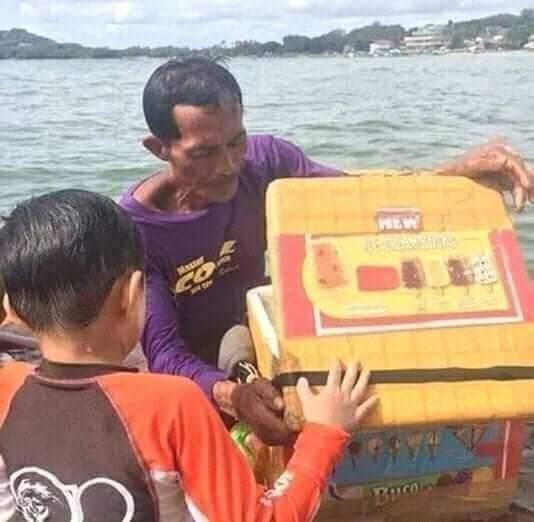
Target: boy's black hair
[200,82]
[60,255]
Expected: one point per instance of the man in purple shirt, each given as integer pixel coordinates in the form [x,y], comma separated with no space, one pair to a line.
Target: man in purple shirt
[202,218]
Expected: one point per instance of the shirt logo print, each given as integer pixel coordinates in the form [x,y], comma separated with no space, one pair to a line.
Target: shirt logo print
[40,496]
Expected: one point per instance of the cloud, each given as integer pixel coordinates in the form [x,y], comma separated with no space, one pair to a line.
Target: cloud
[172,12]
[105,11]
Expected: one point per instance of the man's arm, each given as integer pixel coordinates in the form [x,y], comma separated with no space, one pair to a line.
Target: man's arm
[494,164]
[165,349]
[258,403]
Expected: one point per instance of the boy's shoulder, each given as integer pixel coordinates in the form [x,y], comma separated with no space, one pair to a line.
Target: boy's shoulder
[13,374]
[12,377]
[152,390]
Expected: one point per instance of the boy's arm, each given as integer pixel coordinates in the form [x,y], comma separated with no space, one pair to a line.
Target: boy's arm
[219,484]
[164,348]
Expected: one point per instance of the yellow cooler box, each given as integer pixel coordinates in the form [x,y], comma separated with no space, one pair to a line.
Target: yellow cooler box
[422,280]
[416,474]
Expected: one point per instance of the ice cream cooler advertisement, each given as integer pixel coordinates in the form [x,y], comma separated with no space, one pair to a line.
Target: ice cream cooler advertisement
[423,281]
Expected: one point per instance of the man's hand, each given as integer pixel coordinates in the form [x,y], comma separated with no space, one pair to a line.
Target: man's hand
[260,405]
[497,165]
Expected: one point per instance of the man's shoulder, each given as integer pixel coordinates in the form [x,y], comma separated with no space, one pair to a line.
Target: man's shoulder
[261,146]
[271,152]
[138,199]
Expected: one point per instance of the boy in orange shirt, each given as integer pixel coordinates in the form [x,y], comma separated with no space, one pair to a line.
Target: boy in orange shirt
[84,438]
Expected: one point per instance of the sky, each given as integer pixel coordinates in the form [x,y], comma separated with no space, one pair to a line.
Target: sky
[200,23]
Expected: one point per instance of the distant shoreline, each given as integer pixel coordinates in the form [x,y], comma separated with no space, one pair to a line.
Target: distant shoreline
[503,32]
[282,56]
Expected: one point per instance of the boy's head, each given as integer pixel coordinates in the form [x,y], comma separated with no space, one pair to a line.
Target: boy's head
[68,258]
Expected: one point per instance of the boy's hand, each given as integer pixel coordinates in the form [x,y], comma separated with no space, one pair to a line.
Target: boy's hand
[340,403]
[260,405]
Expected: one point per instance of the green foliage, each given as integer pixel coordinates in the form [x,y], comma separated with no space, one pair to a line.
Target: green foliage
[364,36]
[296,44]
[457,42]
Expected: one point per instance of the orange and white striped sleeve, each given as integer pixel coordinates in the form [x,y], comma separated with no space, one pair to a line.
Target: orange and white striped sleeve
[195,466]
[219,484]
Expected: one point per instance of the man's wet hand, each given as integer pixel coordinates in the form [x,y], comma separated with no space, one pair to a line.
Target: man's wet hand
[261,405]
[497,165]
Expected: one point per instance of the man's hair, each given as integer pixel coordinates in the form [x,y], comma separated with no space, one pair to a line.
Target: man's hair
[200,82]
[60,255]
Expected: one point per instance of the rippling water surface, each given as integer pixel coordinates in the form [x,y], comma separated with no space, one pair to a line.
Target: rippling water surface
[79,123]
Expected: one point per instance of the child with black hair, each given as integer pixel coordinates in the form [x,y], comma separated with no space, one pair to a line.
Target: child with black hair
[83,438]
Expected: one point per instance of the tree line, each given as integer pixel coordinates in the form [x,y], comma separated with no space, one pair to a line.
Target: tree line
[20,44]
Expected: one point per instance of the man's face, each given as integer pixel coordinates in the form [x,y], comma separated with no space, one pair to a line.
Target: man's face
[207,157]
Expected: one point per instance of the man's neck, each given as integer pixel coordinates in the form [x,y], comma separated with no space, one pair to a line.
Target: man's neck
[163,192]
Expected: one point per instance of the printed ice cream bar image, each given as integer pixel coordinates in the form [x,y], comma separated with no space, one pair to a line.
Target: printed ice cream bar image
[469,436]
[328,268]
[484,272]
[437,275]
[377,278]
[460,272]
[477,434]
[413,442]
[463,435]
[394,447]
[374,447]
[355,448]
[412,274]
[433,440]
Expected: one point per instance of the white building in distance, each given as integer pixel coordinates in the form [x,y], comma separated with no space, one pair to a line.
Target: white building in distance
[427,38]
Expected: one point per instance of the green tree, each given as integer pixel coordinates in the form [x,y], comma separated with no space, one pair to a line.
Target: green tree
[519,36]
[296,44]
[334,41]
[457,42]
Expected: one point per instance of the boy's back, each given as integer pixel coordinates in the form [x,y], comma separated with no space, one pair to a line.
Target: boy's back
[103,443]
[96,444]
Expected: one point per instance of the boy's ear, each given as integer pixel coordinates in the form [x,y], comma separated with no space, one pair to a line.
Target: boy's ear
[154,145]
[133,292]
[10,316]
[3,315]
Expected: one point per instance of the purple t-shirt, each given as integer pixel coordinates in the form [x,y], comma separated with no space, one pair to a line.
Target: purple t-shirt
[201,264]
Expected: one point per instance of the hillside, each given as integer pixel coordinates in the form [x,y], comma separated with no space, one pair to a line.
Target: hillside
[21,44]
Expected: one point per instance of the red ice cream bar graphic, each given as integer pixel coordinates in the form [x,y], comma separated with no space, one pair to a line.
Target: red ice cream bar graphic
[328,268]
[377,278]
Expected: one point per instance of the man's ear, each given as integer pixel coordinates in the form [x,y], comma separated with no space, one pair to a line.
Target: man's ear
[10,316]
[154,145]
